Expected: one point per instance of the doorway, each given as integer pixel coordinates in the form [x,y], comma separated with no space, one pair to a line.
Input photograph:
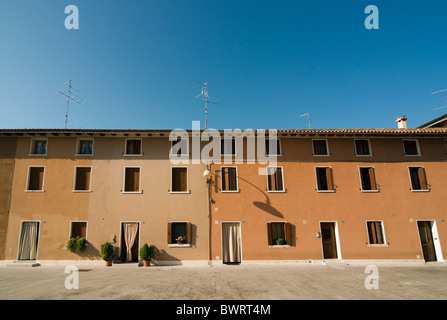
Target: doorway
[231,243]
[29,240]
[427,239]
[130,233]
[329,240]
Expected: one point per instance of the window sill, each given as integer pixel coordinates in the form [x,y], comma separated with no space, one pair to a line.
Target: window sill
[37,154]
[180,192]
[423,190]
[84,155]
[377,245]
[413,155]
[369,191]
[133,155]
[322,155]
[81,191]
[363,155]
[34,191]
[273,155]
[280,246]
[131,192]
[176,245]
[276,191]
[325,191]
[231,191]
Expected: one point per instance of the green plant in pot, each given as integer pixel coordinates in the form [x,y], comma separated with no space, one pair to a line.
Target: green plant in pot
[107,253]
[76,244]
[279,241]
[147,253]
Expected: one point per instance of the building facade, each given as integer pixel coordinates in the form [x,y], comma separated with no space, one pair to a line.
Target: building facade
[351,194]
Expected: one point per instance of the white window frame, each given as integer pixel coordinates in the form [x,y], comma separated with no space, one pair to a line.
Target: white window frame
[187,181]
[279,154]
[417,148]
[183,245]
[237,180]
[70,228]
[327,148]
[32,145]
[316,180]
[124,181]
[369,147]
[375,180]
[28,177]
[385,243]
[282,177]
[75,176]
[78,145]
[131,154]
[411,183]
[279,245]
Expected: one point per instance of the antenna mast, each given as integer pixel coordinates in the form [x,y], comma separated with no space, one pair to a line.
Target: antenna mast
[69,96]
[205,97]
[307,116]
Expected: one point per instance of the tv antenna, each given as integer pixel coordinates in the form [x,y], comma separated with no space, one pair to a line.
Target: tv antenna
[70,96]
[307,116]
[446,99]
[204,93]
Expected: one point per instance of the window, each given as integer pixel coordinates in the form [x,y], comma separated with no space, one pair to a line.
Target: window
[368,179]
[35,178]
[320,147]
[273,147]
[324,179]
[179,182]
[78,229]
[179,233]
[39,146]
[228,147]
[82,178]
[132,179]
[411,148]
[229,179]
[133,147]
[362,148]
[85,147]
[275,179]
[375,232]
[279,233]
[418,179]
[181,147]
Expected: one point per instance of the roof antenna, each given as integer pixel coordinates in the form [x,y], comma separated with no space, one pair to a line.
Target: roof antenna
[205,97]
[439,92]
[69,96]
[307,116]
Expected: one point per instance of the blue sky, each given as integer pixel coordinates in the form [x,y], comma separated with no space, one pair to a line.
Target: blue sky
[266,62]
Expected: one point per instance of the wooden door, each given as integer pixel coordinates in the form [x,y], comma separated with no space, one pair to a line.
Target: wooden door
[328,240]
[426,236]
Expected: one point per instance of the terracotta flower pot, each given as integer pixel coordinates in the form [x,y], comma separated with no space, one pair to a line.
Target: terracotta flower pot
[147,263]
[109,263]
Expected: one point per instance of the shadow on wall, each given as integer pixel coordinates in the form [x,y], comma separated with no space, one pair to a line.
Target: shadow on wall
[263,205]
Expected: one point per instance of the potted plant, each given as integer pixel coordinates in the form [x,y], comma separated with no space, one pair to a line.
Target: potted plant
[279,241]
[107,253]
[180,239]
[147,253]
[76,244]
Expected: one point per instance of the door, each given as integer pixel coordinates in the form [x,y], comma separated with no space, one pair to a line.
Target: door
[427,243]
[129,241]
[231,243]
[328,240]
[29,235]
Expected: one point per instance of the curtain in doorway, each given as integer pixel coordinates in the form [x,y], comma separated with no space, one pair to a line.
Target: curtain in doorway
[28,241]
[130,233]
[231,243]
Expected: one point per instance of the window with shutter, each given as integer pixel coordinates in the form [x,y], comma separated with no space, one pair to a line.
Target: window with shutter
[179,181]
[418,178]
[179,233]
[229,179]
[35,178]
[324,179]
[78,229]
[275,179]
[279,233]
[132,180]
[82,182]
[133,147]
[411,147]
[362,148]
[272,147]
[375,232]
[368,179]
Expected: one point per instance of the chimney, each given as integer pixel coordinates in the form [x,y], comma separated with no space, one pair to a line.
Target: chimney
[401,122]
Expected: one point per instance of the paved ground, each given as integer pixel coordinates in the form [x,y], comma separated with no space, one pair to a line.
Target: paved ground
[226,282]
